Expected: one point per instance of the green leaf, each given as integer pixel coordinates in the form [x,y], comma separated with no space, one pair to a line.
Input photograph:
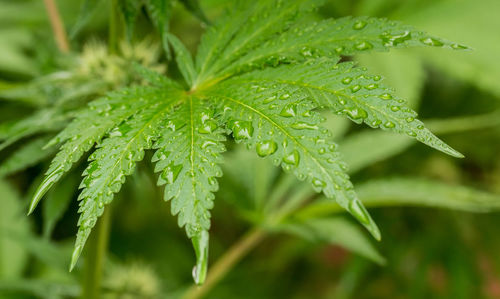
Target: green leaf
[480,67]
[246,27]
[86,11]
[13,257]
[160,12]
[183,59]
[348,91]
[394,192]
[26,156]
[194,7]
[335,231]
[345,36]
[384,145]
[280,124]
[188,156]
[424,193]
[130,9]
[89,127]
[44,120]
[40,288]
[115,159]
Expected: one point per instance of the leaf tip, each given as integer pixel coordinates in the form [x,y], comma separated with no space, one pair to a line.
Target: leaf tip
[75,256]
[200,244]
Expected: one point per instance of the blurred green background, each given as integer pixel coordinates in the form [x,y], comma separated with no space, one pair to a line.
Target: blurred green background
[437,214]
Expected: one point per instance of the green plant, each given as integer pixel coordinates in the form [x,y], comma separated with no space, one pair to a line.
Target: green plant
[259,78]
[262,74]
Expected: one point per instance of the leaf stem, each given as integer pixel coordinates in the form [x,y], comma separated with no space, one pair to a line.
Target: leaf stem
[96,254]
[57,26]
[227,262]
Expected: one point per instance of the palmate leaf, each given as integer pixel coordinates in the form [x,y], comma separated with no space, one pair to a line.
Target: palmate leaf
[261,73]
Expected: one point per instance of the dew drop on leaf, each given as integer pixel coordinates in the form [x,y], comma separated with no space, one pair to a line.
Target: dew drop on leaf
[266,148]
[358,25]
[386,96]
[289,110]
[347,80]
[364,46]
[302,125]
[207,127]
[395,39]
[430,41]
[355,88]
[171,173]
[356,113]
[292,158]
[318,183]
[389,124]
[241,129]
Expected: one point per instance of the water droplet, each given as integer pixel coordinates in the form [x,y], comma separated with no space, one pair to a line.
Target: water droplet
[395,39]
[266,148]
[318,183]
[207,127]
[303,125]
[284,96]
[389,124]
[170,174]
[241,129]
[410,119]
[364,46]
[269,99]
[395,108]
[377,78]
[358,25]
[371,86]
[386,96]
[430,41]
[356,113]
[355,88]
[289,110]
[306,52]
[292,159]
[459,47]
[347,80]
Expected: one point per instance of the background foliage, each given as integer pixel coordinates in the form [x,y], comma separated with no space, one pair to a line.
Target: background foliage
[435,244]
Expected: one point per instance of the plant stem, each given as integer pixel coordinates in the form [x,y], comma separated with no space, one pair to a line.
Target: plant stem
[114,18]
[57,26]
[226,263]
[96,254]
